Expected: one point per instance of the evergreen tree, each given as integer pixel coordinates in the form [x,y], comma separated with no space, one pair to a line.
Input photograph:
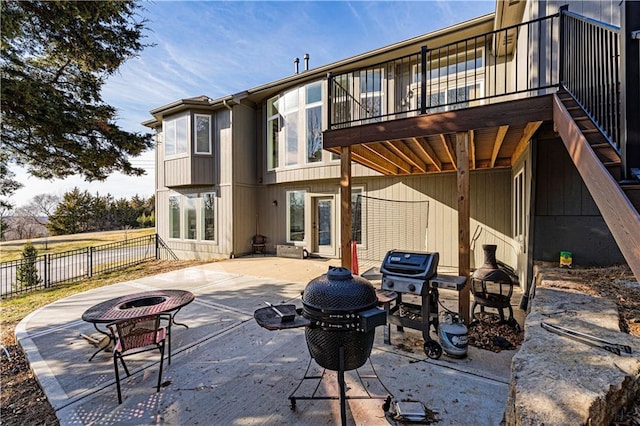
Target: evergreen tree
[73,215]
[55,57]
[27,273]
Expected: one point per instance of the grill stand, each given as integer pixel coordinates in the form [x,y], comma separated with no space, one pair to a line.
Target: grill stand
[428,313]
[342,385]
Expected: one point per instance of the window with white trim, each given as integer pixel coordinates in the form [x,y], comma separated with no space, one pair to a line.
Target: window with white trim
[357,214]
[519,206]
[193,217]
[176,133]
[202,139]
[296,201]
[313,120]
[294,127]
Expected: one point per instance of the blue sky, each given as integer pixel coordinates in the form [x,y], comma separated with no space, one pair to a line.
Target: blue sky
[217,48]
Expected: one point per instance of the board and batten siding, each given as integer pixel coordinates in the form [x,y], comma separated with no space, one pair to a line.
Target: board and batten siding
[417,213]
[244,175]
[566,217]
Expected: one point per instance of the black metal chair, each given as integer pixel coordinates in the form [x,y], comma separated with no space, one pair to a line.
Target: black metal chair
[134,336]
[259,242]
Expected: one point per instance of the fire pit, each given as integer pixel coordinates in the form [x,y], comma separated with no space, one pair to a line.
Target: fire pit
[491,286]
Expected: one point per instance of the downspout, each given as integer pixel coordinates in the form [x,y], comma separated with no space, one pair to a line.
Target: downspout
[232,255]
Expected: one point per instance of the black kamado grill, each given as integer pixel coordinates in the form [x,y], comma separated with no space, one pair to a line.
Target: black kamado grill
[340,316]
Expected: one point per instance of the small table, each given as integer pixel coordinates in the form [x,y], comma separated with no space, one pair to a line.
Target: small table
[138,305]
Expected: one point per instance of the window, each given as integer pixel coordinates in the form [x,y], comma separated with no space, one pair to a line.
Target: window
[273,129]
[203,134]
[190,219]
[174,217]
[208,217]
[193,217]
[176,136]
[519,208]
[314,122]
[295,216]
[371,93]
[294,127]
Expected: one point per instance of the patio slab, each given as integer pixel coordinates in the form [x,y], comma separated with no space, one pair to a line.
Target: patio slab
[227,370]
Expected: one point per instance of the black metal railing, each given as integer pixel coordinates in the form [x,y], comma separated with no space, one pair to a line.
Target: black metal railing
[25,275]
[590,70]
[515,61]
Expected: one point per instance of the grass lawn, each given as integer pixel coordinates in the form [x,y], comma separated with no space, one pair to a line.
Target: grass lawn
[12,250]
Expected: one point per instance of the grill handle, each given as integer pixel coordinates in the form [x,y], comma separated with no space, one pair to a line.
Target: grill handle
[371,318]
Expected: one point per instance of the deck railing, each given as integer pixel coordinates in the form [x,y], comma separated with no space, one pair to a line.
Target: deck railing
[515,61]
[590,70]
[528,59]
[25,275]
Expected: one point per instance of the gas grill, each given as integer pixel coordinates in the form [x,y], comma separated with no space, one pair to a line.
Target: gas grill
[416,274]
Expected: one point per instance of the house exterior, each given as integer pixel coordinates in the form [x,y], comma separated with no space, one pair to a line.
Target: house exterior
[444,142]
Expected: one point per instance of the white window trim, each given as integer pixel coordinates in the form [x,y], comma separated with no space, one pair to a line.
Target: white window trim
[363,224]
[303,242]
[195,134]
[519,207]
[188,135]
[270,118]
[199,217]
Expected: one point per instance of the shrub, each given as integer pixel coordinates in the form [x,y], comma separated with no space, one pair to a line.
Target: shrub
[27,273]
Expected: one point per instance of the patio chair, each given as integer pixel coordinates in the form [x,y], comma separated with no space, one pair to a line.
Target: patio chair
[134,336]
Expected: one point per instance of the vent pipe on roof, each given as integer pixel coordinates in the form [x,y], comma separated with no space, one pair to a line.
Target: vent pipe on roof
[306,62]
[296,62]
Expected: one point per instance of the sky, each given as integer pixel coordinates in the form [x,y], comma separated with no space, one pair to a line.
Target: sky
[219,48]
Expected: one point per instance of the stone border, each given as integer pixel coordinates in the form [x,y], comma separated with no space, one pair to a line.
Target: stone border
[556,380]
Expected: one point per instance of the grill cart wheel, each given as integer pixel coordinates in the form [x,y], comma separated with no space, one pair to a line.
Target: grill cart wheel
[432,349]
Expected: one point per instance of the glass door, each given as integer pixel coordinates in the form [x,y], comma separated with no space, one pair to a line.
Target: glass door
[324,226]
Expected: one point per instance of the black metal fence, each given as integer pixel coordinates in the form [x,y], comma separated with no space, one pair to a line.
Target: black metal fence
[590,68]
[515,61]
[24,275]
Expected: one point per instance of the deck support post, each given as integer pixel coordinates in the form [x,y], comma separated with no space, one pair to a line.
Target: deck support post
[345,207]
[464,218]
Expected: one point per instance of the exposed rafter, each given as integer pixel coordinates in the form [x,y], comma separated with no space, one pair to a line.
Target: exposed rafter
[428,152]
[528,132]
[497,144]
[449,148]
[407,154]
[387,155]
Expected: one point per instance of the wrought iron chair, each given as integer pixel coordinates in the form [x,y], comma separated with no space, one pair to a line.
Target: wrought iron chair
[134,336]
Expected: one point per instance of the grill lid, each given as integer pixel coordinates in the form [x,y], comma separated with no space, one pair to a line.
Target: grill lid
[418,265]
[339,291]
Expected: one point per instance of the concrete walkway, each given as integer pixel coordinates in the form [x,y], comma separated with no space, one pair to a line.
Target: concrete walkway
[226,370]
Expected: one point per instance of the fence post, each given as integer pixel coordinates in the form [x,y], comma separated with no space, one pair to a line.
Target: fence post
[423,79]
[561,45]
[157,246]
[47,265]
[90,262]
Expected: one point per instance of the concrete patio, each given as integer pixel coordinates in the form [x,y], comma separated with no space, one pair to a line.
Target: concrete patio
[226,370]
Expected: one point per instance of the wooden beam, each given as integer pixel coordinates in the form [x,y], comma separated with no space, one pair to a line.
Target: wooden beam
[512,113]
[472,148]
[497,144]
[450,150]
[387,155]
[345,208]
[360,153]
[428,152]
[529,131]
[404,152]
[464,222]
[617,211]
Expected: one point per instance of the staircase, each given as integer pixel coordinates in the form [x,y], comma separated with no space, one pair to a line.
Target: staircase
[600,167]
